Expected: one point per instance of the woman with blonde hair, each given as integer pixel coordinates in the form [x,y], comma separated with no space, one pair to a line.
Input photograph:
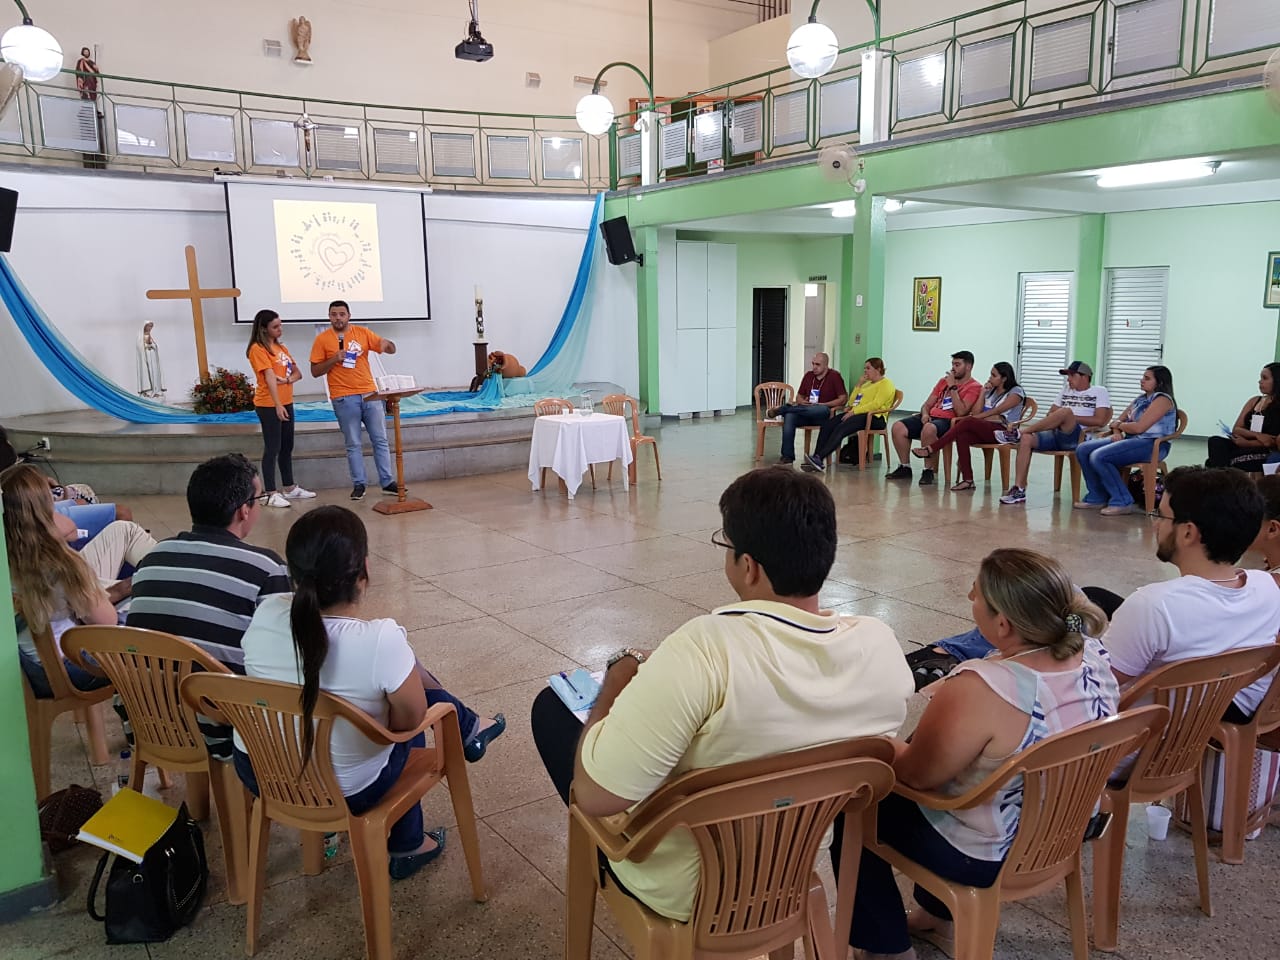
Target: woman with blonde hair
[1046,674]
[56,586]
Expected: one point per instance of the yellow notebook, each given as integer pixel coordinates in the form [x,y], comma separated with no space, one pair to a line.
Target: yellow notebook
[128,824]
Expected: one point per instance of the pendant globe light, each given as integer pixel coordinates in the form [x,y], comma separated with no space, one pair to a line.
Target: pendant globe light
[32,49]
[594,113]
[812,49]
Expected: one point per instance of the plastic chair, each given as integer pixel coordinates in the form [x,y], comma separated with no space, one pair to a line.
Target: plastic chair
[146,668]
[1155,467]
[42,711]
[621,405]
[775,393]
[1062,779]
[866,438]
[1060,457]
[1239,742]
[758,826]
[551,407]
[1029,410]
[266,715]
[1198,692]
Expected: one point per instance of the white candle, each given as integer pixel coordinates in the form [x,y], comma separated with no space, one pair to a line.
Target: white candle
[478,297]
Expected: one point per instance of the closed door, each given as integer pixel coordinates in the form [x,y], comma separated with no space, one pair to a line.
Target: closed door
[1136,301]
[1044,333]
[769,334]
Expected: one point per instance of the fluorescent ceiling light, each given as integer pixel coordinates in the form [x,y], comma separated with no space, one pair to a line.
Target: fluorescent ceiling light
[893,206]
[1146,174]
[844,209]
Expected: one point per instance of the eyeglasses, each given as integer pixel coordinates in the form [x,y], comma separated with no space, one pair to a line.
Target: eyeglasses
[260,499]
[718,540]
[1155,516]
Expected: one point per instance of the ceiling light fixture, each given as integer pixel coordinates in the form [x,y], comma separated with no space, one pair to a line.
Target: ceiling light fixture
[844,209]
[893,206]
[32,49]
[1149,174]
[594,112]
[813,48]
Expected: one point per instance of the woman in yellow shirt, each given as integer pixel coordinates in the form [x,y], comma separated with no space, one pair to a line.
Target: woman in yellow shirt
[871,395]
[273,402]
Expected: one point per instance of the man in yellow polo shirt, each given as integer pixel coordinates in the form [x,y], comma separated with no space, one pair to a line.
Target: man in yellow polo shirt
[341,354]
[770,674]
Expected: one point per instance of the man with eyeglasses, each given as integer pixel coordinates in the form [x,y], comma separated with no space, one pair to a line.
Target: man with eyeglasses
[769,674]
[822,392]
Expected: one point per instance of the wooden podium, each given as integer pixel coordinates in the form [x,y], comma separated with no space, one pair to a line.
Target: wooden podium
[402,503]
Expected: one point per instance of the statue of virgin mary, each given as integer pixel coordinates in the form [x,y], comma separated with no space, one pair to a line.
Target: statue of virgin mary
[150,376]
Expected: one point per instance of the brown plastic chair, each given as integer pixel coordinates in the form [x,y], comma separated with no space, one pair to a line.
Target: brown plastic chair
[1060,457]
[146,668]
[1029,410]
[1155,467]
[1239,742]
[775,393]
[551,407]
[621,405]
[1198,692]
[758,826]
[867,438]
[266,716]
[42,711]
[1062,779]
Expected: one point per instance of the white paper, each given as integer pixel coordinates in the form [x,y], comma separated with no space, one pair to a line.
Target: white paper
[1270,468]
[598,677]
[1255,423]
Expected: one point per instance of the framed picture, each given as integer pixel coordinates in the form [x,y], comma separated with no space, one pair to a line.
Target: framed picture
[1272,298]
[926,313]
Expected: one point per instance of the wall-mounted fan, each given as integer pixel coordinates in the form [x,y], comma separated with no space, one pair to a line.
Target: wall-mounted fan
[840,163]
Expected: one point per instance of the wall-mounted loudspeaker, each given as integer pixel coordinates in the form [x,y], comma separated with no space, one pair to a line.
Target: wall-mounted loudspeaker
[617,242]
[8,210]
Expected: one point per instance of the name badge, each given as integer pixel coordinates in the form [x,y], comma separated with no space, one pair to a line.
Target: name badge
[857,400]
[1255,423]
[351,354]
[813,396]
[948,403]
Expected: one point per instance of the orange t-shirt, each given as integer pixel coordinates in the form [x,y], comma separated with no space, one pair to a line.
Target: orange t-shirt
[278,364]
[350,375]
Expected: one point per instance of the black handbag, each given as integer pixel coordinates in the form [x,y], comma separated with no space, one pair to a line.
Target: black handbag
[148,901]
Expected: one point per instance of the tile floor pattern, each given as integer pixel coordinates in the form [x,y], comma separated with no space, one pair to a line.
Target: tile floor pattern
[499,587]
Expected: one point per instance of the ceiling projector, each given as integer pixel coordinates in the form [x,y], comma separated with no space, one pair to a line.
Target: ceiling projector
[475,47]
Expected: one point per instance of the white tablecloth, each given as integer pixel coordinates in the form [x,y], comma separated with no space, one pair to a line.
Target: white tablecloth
[568,442]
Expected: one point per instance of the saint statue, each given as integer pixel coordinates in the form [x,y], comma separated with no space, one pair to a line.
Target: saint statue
[150,376]
[87,75]
[300,33]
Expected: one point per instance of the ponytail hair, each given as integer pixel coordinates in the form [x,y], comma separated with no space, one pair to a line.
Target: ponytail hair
[258,333]
[1035,594]
[327,551]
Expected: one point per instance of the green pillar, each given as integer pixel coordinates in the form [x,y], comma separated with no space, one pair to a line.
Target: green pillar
[647,317]
[862,280]
[22,881]
[1093,235]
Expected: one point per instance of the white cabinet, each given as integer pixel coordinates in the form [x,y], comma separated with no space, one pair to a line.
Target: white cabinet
[700,341]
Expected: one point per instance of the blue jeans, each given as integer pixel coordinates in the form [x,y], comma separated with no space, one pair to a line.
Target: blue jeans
[80,678]
[1100,462]
[351,411]
[966,646]
[799,415]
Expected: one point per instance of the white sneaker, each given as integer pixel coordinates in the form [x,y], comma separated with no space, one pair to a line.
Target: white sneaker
[275,500]
[298,493]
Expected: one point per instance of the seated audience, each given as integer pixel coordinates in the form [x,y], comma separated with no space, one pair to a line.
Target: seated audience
[1153,414]
[769,674]
[74,500]
[822,392]
[1047,675]
[872,394]
[56,586]
[317,639]
[955,395]
[1082,407]
[1001,406]
[1205,522]
[1253,436]
[1267,543]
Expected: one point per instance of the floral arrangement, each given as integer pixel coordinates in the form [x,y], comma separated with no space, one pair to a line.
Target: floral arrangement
[227,391]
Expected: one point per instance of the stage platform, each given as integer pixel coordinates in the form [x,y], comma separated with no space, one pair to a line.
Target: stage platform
[118,458]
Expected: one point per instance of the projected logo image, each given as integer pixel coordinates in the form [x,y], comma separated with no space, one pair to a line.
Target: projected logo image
[328,251]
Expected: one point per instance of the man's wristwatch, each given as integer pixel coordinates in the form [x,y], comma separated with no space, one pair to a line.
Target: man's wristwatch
[636,655]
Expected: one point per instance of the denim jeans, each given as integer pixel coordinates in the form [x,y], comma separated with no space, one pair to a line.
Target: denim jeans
[966,646]
[351,411]
[1100,462]
[799,415]
[80,678]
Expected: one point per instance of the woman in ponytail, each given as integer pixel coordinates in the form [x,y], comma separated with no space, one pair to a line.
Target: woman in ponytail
[318,638]
[1046,674]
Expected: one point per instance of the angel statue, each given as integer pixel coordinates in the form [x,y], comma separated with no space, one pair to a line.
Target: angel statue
[300,32]
[150,376]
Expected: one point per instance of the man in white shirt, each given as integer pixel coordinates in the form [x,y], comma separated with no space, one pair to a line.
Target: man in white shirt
[1206,520]
[770,674]
[1081,407]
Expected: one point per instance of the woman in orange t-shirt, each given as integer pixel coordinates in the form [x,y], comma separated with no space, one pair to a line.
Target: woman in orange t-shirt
[273,402]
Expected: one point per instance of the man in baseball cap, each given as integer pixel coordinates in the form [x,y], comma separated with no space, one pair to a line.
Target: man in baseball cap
[1081,407]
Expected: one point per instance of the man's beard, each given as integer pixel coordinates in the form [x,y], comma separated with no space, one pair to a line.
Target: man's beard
[1164,549]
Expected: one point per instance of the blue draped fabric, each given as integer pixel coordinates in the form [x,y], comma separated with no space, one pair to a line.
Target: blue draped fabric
[552,375]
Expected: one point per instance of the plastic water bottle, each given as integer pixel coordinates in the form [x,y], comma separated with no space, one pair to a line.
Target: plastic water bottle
[124,772]
[588,408]
[330,846]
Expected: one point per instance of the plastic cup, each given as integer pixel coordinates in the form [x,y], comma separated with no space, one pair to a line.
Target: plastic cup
[1158,818]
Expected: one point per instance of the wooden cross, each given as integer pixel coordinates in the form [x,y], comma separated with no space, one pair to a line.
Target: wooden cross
[197,297]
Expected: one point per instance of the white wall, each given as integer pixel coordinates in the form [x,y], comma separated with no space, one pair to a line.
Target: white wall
[397,51]
[88,247]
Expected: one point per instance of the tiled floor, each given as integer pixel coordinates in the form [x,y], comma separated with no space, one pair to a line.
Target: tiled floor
[499,587]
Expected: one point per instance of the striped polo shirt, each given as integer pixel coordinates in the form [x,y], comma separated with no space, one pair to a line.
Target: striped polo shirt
[205,586]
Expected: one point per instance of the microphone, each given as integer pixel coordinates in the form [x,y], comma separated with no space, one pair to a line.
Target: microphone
[340,342]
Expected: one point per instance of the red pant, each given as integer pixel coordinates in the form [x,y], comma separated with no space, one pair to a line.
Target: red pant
[964,434]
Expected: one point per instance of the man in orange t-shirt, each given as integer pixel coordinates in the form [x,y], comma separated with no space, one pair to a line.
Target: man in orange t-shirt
[341,354]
